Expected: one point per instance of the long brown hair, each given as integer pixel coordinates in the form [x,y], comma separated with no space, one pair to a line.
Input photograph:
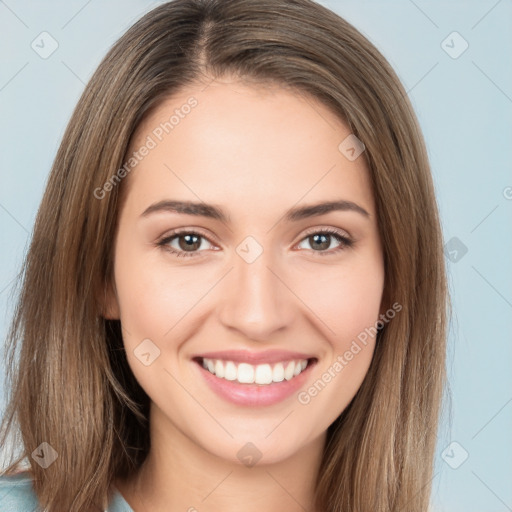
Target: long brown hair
[72,386]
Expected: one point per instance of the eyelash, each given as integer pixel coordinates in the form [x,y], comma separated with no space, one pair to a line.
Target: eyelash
[345,242]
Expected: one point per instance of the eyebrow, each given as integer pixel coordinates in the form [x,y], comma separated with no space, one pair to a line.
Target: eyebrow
[214,212]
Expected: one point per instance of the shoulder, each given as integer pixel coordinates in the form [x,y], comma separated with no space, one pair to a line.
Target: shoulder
[17,493]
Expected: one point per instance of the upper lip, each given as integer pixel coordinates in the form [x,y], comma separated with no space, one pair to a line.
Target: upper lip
[246,356]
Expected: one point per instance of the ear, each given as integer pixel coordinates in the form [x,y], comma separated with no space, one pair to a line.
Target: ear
[109,305]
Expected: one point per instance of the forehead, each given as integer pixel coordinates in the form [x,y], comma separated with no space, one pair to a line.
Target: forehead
[245,146]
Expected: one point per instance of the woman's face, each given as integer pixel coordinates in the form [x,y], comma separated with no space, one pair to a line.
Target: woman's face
[260,280]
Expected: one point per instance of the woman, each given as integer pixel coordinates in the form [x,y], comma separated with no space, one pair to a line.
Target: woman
[191,344]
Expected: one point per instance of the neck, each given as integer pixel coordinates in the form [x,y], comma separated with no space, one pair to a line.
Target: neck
[178,474]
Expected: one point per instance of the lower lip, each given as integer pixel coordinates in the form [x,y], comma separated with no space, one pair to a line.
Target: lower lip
[254,394]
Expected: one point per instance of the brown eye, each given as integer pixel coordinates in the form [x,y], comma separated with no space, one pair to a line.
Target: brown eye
[188,243]
[320,241]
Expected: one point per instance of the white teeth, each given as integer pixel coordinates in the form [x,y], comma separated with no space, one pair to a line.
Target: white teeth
[263,374]
[230,373]
[219,369]
[245,373]
[278,373]
[259,374]
[288,373]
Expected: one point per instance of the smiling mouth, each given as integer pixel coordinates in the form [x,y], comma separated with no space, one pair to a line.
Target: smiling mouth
[261,374]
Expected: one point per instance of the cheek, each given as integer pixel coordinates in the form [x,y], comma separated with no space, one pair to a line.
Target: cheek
[152,301]
[148,304]
[155,302]
[345,298]
[154,297]
[349,309]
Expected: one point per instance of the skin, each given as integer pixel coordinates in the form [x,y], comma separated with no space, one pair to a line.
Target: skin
[256,152]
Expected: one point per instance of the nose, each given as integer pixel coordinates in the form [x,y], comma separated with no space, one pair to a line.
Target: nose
[256,300]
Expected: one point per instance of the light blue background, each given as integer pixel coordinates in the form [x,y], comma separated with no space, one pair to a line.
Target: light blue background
[465,108]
